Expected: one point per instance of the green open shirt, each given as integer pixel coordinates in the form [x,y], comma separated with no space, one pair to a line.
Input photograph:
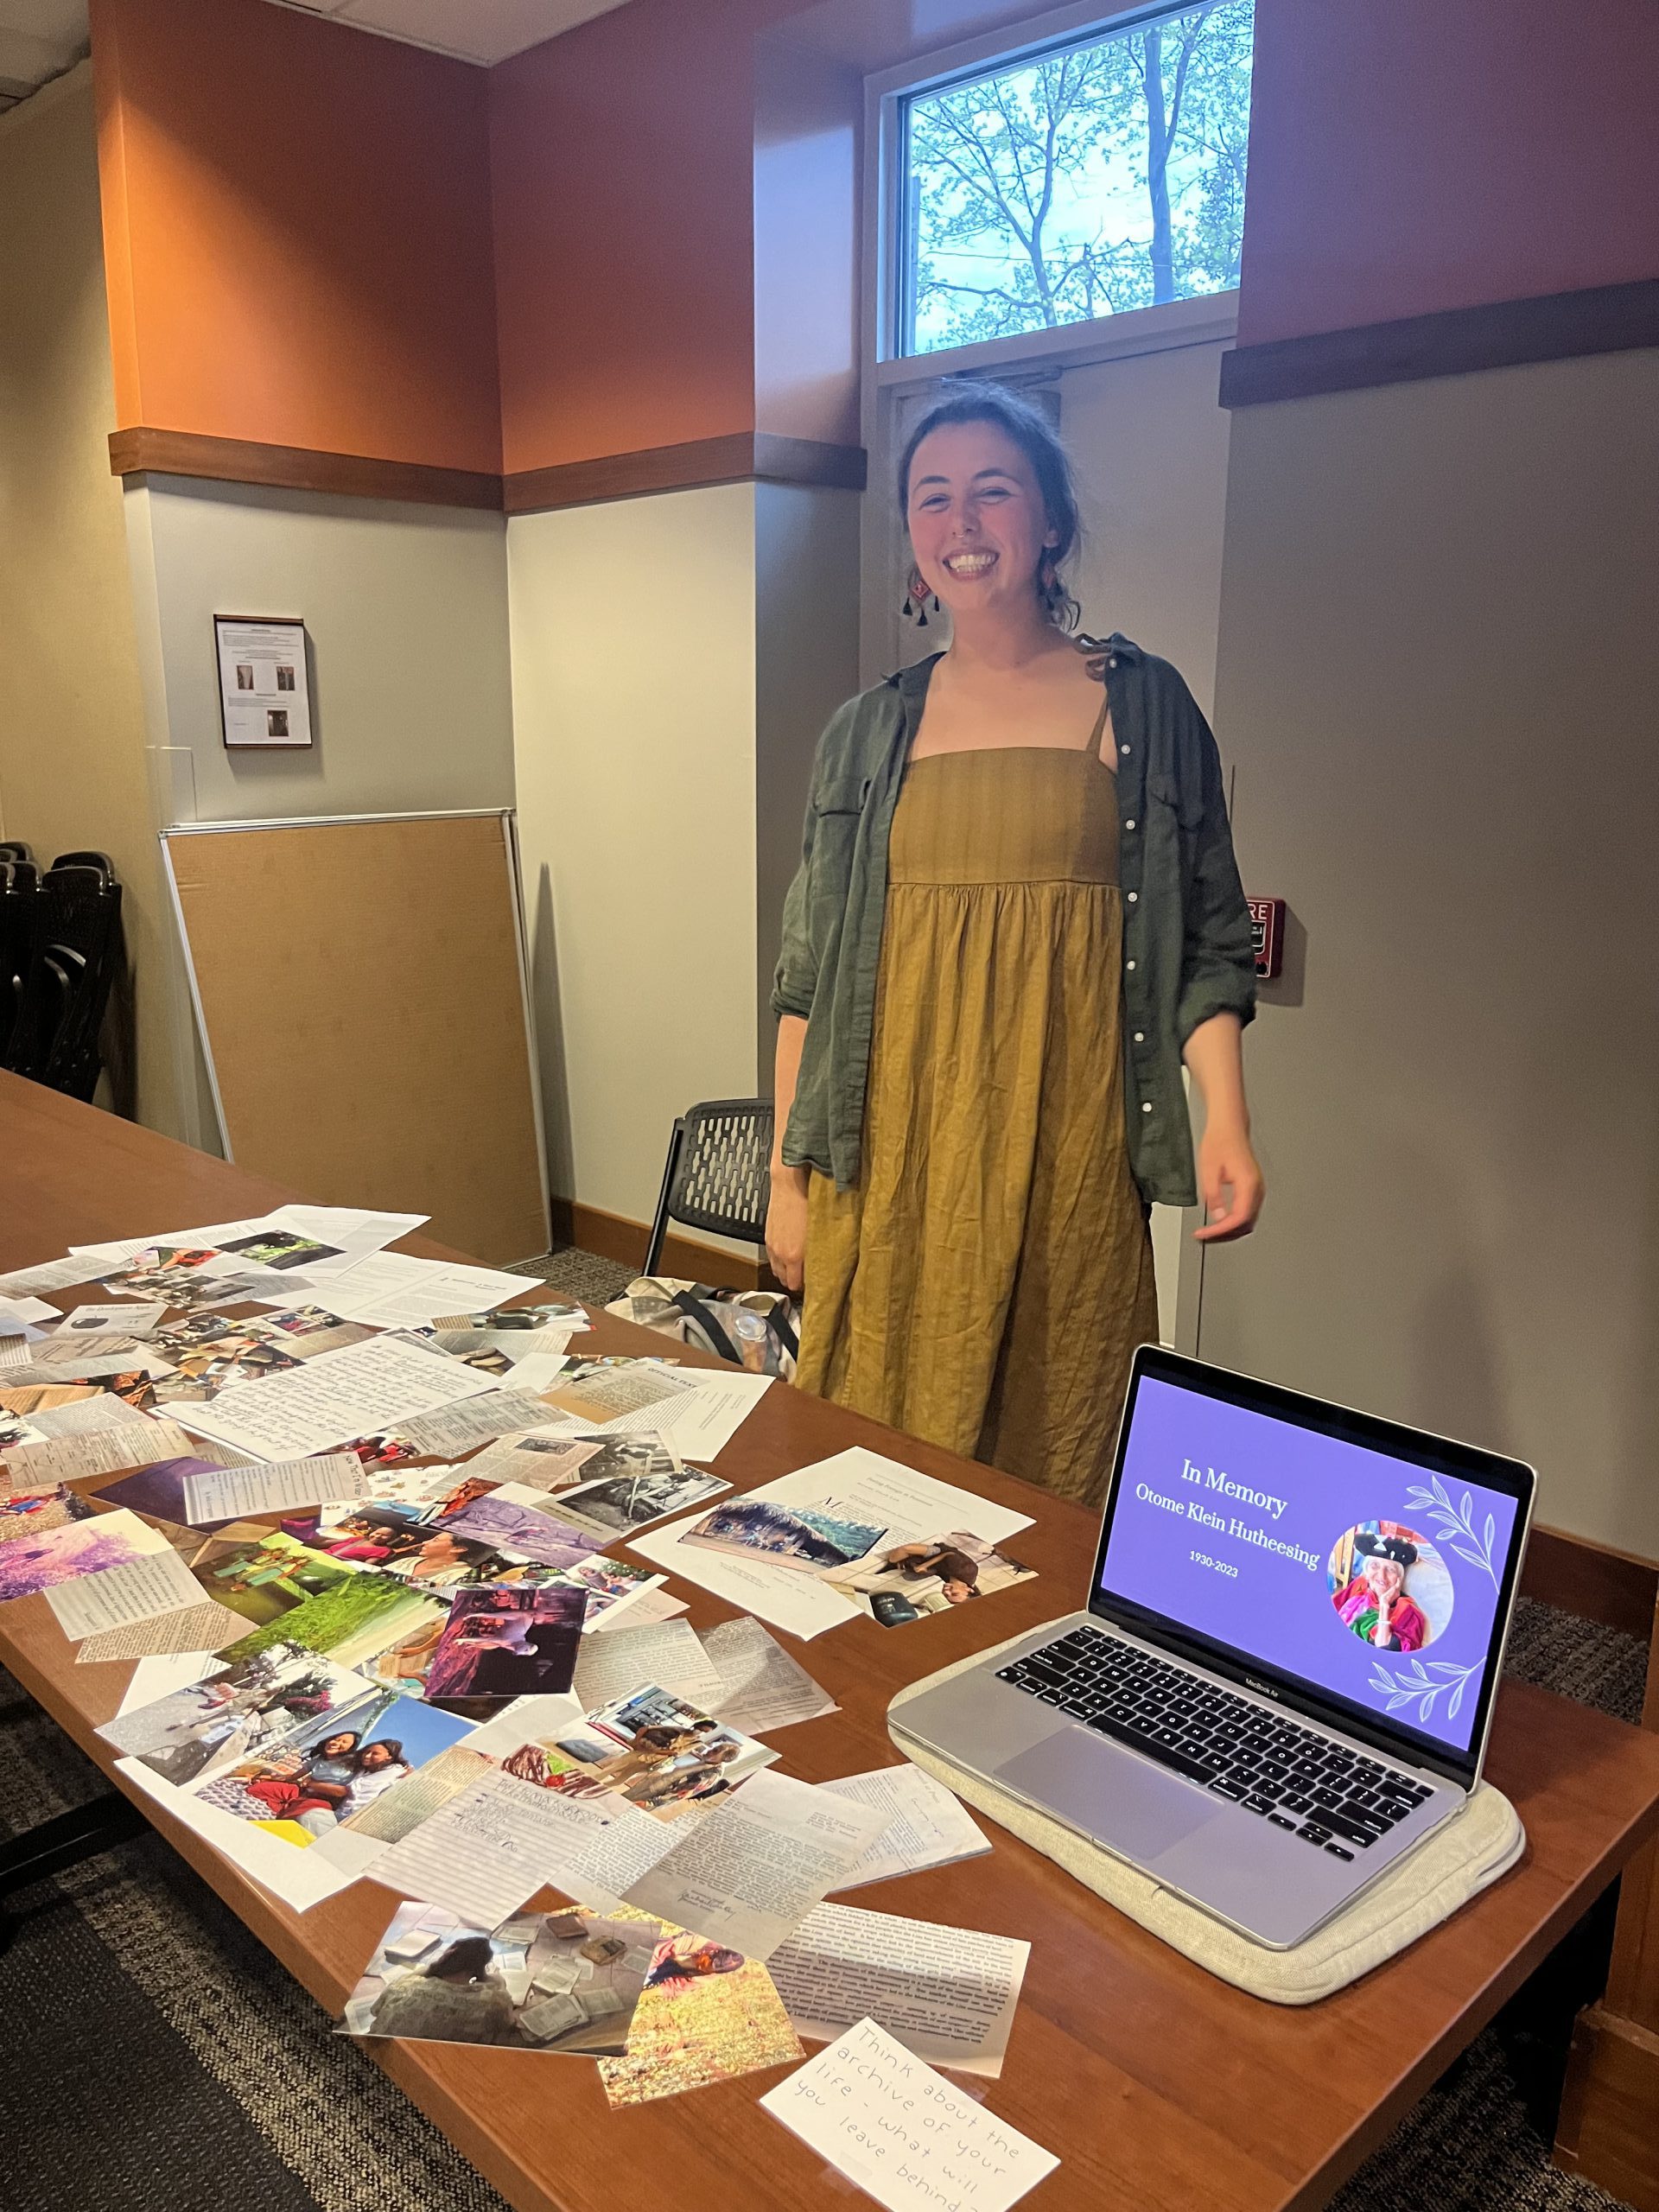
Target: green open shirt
[1186,932]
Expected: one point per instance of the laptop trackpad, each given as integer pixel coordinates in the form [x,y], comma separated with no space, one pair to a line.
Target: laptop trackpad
[1133,1806]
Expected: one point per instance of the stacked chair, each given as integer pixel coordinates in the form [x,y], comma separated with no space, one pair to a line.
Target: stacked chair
[59,952]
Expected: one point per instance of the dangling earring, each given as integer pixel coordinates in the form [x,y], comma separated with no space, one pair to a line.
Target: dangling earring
[915,606]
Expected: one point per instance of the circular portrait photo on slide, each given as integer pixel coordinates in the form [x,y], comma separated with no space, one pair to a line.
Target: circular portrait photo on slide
[1389,1585]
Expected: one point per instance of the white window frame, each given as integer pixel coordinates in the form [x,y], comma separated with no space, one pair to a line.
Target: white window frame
[887,381]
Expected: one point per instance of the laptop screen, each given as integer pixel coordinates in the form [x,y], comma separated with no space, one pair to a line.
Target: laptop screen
[1361,1561]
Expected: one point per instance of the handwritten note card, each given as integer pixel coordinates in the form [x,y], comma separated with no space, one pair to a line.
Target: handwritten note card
[900,2130]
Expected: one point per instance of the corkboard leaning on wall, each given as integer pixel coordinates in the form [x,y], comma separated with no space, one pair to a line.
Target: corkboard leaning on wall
[359,989]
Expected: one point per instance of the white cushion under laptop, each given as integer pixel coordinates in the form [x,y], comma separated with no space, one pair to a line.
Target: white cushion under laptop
[1283,1679]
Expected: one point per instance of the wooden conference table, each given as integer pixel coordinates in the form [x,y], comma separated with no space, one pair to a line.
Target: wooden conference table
[1158,2088]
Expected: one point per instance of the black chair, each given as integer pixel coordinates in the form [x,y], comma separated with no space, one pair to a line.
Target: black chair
[718,1175]
[73,924]
[19,898]
[13,848]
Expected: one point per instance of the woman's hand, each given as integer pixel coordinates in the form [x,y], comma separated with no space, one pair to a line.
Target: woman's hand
[786,1228]
[1229,1183]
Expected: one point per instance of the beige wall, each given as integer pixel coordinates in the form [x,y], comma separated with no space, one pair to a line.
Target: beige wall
[1438,662]
[1149,446]
[72,762]
[405,610]
[633,673]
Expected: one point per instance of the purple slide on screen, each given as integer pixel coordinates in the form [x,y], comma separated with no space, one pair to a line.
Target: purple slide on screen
[1371,1578]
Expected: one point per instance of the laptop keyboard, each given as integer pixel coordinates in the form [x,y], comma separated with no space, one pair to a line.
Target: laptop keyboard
[1326,1793]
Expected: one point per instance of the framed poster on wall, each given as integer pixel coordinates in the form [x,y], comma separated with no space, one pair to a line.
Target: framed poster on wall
[264,695]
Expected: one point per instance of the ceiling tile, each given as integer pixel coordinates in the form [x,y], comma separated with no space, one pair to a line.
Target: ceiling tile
[480,30]
[40,38]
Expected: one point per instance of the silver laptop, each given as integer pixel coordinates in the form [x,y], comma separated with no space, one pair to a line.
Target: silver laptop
[1283,1679]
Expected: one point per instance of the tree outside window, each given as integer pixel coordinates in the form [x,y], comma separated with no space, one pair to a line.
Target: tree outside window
[1084,182]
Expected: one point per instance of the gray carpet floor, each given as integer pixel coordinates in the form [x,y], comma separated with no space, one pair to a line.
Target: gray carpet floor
[156,2052]
[584,1275]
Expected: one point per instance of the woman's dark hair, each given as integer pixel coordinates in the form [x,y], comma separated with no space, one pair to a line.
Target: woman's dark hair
[1033,433]
[351,1737]
[466,1960]
[384,1743]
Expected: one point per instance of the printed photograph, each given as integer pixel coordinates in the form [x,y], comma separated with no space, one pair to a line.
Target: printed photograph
[550,1315]
[244,675]
[180,1287]
[905,1582]
[31,1512]
[292,1592]
[522,1522]
[472,1347]
[310,1328]
[608,1583]
[132,1386]
[382,1449]
[265,1579]
[784,1536]
[312,1321]
[498,1644]
[254,1706]
[42,1557]
[639,1482]
[399,1538]
[1390,1586]
[332,1766]
[193,1329]
[284,677]
[201,1372]
[144,1266]
[15,1430]
[276,721]
[562,1982]
[279,1248]
[651,1748]
[708,2014]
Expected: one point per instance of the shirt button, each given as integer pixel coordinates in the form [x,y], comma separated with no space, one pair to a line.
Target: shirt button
[1129,964]
[1147,1107]
[1140,1036]
[1123,748]
[1111,660]
[1129,824]
[1134,895]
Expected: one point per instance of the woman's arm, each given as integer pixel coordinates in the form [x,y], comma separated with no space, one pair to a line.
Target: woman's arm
[787,1214]
[1230,1181]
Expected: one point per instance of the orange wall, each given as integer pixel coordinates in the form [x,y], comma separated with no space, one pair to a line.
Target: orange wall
[621,158]
[297,232]
[301,247]
[1407,155]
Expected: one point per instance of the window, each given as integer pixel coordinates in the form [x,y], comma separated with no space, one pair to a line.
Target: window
[1085,181]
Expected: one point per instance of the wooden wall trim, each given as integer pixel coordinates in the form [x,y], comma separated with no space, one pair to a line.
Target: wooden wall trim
[1619,1589]
[614,1237]
[740,457]
[1602,319]
[142,451]
[745,456]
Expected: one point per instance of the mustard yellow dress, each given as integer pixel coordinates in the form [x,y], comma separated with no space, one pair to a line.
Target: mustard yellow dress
[984,1285]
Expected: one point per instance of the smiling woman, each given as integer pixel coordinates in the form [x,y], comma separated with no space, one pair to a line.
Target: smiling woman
[1017,910]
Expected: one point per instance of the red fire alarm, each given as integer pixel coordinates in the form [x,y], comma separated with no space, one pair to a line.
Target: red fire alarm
[1267,934]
